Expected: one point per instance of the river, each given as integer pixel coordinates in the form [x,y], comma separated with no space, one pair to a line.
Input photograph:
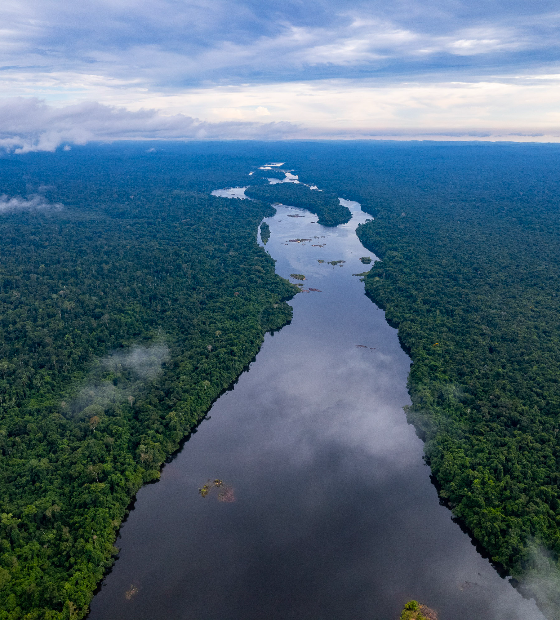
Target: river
[330,513]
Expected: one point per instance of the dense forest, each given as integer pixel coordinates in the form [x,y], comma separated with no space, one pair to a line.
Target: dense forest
[324,204]
[129,299]
[469,237]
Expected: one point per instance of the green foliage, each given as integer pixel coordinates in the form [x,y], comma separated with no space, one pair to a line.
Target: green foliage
[414,611]
[324,204]
[122,318]
[265,232]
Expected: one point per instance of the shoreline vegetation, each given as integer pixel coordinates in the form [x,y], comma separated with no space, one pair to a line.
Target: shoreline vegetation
[416,611]
[265,232]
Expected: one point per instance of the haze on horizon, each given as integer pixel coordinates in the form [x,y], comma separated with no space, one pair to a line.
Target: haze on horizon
[247,69]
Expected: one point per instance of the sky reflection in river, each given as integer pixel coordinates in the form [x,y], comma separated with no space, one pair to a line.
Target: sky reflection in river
[335,517]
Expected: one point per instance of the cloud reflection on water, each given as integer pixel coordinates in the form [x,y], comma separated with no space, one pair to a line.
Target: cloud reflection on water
[335,514]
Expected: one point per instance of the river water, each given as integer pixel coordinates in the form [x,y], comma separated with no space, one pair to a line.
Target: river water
[331,512]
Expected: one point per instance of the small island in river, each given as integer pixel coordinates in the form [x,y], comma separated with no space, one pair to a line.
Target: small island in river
[415,611]
[265,232]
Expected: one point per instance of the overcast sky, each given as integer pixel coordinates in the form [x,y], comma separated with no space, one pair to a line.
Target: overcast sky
[100,69]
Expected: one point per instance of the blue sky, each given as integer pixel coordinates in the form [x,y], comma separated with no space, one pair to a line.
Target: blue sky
[452,69]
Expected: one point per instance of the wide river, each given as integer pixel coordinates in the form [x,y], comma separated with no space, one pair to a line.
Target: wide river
[334,516]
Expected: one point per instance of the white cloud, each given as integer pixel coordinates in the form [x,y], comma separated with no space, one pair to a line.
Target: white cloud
[520,109]
[33,203]
[32,125]
[146,362]
[342,67]
[136,366]
[165,44]
[360,108]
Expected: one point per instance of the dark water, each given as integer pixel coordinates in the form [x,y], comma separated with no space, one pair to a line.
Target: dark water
[334,515]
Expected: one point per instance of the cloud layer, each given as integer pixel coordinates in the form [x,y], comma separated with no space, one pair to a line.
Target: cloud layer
[135,368]
[175,68]
[32,203]
[327,110]
[32,125]
[172,44]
